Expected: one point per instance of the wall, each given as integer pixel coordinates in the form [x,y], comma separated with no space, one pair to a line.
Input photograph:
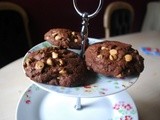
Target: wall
[47,14]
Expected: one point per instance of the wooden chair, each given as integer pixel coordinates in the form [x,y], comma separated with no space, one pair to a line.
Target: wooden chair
[118,18]
[15,38]
[152,18]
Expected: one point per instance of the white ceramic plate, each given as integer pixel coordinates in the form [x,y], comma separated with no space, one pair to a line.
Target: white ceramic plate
[101,86]
[37,104]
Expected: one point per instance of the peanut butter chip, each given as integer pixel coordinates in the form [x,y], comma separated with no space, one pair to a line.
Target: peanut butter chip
[39,65]
[57,37]
[128,57]
[112,57]
[54,55]
[75,40]
[119,76]
[73,33]
[104,48]
[60,62]
[53,34]
[28,60]
[99,56]
[49,61]
[113,51]
[62,71]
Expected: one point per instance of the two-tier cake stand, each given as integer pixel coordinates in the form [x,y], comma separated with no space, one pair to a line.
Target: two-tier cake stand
[104,98]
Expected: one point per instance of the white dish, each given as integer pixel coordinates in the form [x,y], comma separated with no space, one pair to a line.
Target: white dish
[37,104]
[101,86]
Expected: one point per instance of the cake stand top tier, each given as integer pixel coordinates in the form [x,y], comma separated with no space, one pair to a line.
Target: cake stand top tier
[100,85]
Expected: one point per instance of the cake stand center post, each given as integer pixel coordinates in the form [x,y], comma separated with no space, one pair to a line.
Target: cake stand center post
[84,34]
[78,105]
[85,22]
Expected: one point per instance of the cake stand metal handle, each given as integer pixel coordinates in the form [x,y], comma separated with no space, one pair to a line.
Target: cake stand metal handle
[90,15]
[85,22]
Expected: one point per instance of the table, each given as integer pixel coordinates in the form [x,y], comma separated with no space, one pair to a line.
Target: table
[145,92]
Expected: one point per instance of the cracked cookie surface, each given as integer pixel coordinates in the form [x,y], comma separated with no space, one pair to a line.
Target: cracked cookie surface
[113,58]
[64,38]
[55,66]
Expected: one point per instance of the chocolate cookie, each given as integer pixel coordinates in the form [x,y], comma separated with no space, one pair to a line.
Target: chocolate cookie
[55,66]
[114,59]
[64,38]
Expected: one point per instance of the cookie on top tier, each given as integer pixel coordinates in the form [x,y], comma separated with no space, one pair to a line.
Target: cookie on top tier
[55,66]
[114,59]
[64,38]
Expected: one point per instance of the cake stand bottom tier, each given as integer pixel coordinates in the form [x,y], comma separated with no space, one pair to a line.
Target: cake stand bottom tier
[37,104]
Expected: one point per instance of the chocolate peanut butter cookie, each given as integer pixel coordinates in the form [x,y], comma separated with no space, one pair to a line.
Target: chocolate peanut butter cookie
[55,66]
[64,38]
[114,59]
